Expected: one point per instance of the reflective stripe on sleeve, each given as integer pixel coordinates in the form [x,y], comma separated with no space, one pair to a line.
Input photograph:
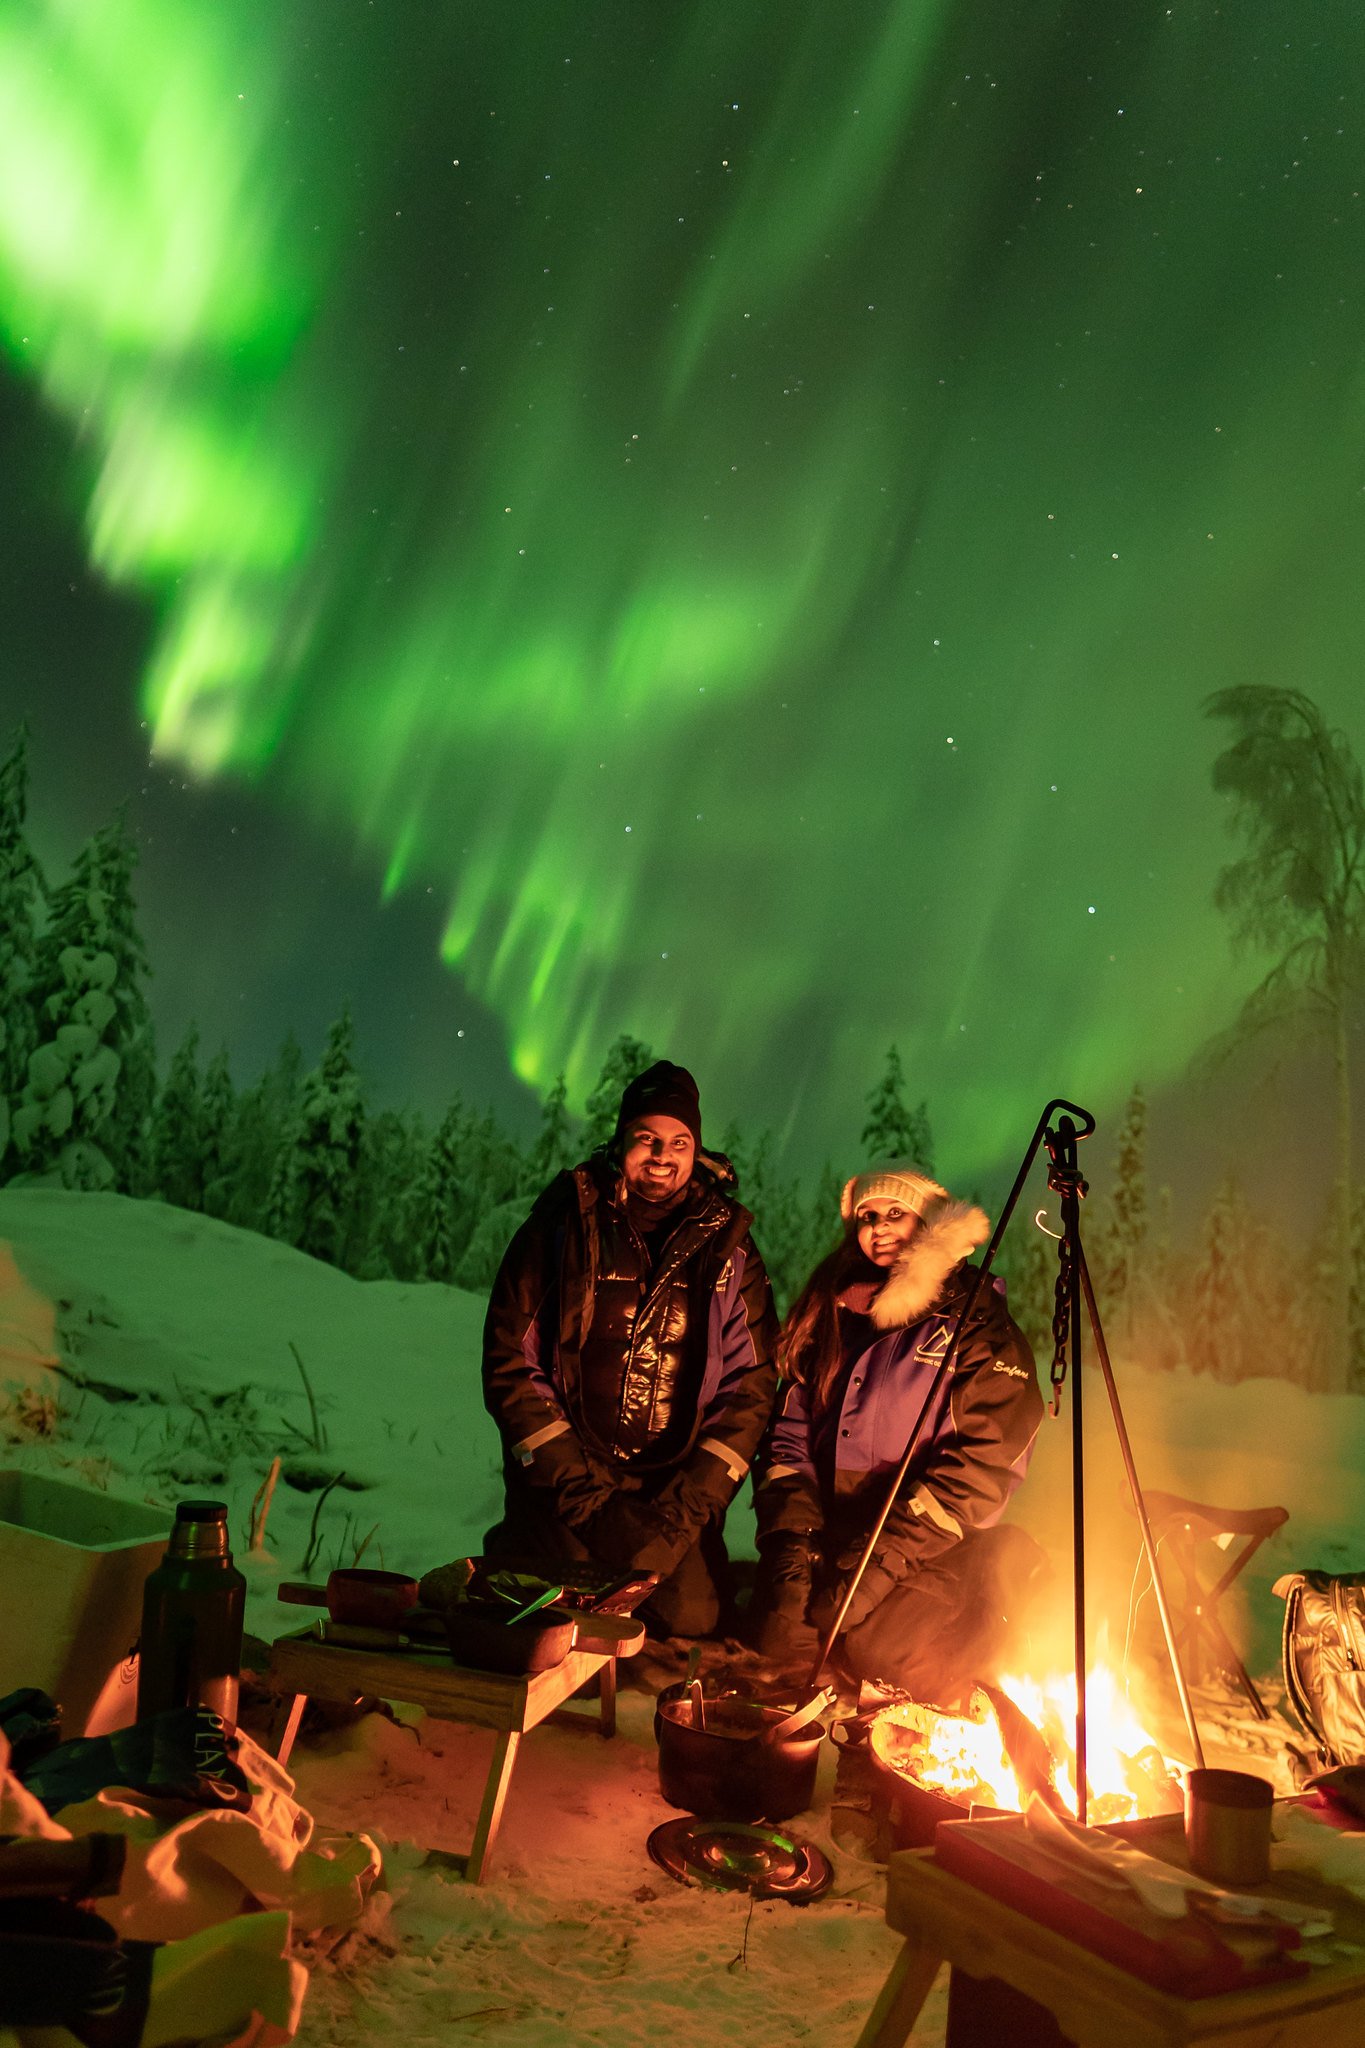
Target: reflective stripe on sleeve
[529,1445]
[781,1472]
[922,1502]
[733,1464]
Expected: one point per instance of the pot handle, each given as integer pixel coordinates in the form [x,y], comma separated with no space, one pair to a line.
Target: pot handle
[608,1635]
[799,1716]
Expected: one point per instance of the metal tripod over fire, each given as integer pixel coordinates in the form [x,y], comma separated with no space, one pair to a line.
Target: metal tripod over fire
[1073,1285]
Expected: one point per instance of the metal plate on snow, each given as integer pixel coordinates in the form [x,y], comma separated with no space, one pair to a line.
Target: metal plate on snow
[740,1856]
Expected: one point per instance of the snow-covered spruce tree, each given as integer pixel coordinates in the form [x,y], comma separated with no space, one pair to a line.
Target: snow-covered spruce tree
[392,1154]
[178,1129]
[625,1058]
[494,1174]
[783,1217]
[782,1234]
[1119,1249]
[86,1099]
[893,1130]
[1162,1239]
[824,1224]
[493,1202]
[1027,1263]
[1159,1318]
[436,1204]
[68,1097]
[1218,1291]
[262,1126]
[1130,1178]
[217,1117]
[753,1167]
[756,1184]
[1249,1305]
[553,1149]
[313,1197]
[1316,1361]
[793,1230]
[21,886]
[922,1137]
[1130,1205]
[126,1138]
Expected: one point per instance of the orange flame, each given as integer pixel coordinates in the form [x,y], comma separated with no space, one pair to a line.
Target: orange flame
[964,1756]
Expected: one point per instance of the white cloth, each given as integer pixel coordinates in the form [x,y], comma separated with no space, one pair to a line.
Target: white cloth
[221,1890]
[188,1871]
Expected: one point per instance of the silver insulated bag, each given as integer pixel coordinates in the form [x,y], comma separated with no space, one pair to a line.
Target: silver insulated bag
[1324,1660]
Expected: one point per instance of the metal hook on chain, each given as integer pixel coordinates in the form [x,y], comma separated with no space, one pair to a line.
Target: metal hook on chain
[1064,1178]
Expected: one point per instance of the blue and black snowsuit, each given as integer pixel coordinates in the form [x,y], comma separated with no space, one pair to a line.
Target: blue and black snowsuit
[932,1609]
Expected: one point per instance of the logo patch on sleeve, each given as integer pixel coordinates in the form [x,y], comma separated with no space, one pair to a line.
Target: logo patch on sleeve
[1013,1372]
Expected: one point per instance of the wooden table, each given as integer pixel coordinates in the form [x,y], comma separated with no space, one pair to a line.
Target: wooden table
[310,1668]
[1095,2004]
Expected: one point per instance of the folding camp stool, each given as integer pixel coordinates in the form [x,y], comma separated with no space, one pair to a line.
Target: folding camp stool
[1181,1527]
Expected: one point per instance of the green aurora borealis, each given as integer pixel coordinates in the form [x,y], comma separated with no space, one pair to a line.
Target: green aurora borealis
[742,504]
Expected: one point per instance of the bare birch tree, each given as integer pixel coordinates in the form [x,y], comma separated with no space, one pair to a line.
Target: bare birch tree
[1298,892]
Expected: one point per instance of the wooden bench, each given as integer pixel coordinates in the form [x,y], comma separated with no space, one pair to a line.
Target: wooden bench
[308,1667]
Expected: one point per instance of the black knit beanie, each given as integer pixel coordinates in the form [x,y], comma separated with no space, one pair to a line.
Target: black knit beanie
[662,1090]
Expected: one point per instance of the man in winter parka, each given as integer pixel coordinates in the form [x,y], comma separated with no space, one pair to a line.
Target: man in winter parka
[628,1358]
[861,1354]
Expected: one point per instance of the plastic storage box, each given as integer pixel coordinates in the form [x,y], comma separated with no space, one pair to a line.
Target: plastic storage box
[72,1564]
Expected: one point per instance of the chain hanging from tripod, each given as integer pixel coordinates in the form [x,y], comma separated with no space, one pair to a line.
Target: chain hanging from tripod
[1064,1178]
[1061,1323]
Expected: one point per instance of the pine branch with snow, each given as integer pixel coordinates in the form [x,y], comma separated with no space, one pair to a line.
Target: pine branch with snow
[21,885]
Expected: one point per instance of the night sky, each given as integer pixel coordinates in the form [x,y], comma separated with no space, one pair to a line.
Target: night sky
[712,521]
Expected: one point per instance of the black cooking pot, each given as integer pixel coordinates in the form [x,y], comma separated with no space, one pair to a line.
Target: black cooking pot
[724,1770]
[481,1637]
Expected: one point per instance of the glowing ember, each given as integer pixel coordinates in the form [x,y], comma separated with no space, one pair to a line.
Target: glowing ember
[966,1757]
[962,1756]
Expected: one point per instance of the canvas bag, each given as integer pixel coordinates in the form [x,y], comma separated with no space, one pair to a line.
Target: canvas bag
[1324,1659]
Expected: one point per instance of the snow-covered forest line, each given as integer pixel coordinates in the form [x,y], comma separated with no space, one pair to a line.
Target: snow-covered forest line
[303,1156]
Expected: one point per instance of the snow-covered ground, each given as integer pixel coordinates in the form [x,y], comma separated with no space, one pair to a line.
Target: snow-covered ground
[198,1319]
[577,1937]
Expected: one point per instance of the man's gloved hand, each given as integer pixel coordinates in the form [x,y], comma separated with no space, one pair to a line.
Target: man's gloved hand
[631,1534]
[561,1468]
[885,1570]
[699,1489]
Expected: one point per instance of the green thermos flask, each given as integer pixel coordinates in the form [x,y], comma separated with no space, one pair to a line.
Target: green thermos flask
[190,1653]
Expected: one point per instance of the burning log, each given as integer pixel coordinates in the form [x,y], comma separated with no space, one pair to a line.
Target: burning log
[1010,1744]
[961,1756]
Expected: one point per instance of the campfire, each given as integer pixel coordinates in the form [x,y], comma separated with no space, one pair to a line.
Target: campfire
[1016,1739]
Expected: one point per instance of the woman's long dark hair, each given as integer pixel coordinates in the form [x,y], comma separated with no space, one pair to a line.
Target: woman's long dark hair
[808,1347]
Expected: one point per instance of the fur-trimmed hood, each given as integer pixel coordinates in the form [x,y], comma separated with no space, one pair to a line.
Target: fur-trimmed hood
[950,1233]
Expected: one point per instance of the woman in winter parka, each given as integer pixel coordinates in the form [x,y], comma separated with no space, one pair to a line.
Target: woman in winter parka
[860,1355]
